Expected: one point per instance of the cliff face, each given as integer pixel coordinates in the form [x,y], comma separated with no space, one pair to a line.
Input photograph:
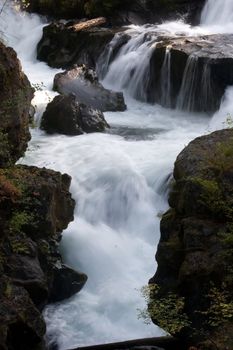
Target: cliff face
[35,206]
[15,96]
[196,247]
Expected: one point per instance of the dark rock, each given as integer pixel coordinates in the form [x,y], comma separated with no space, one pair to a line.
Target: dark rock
[61,46]
[15,96]
[195,250]
[35,206]
[67,282]
[200,71]
[121,12]
[65,116]
[159,343]
[83,83]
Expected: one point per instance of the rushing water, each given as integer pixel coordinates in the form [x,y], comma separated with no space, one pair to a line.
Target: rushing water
[120,183]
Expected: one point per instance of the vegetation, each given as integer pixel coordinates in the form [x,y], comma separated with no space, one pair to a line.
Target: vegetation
[167,310]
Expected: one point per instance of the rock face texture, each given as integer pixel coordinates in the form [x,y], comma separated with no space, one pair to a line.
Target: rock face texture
[121,12]
[196,246]
[83,83]
[15,99]
[62,46]
[65,116]
[35,206]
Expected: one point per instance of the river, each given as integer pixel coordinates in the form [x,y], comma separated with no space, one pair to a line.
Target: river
[120,181]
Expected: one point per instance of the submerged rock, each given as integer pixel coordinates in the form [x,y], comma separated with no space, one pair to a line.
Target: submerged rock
[65,116]
[83,83]
[15,99]
[195,253]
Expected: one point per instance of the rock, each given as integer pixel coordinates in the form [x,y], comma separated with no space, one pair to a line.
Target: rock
[67,282]
[195,250]
[200,71]
[83,83]
[121,12]
[15,96]
[35,206]
[159,343]
[62,46]
[65,116]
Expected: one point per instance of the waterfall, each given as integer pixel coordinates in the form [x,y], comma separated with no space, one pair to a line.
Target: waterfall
[217,12]
[118,181]
[186,97]
[166,80]
[130,68]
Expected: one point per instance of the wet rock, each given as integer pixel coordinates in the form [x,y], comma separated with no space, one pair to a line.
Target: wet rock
[15,96]
[65,116]
[195,251]
[67,282]
[62,46]
[200,70]
[83,83]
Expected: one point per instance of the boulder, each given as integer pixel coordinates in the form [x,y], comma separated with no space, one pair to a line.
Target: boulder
[83,83]
[65,116]
[200,70]
[195,251]
[67,282]
[15,96]
[62,46]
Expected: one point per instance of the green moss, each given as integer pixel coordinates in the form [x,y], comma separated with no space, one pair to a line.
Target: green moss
[19,220]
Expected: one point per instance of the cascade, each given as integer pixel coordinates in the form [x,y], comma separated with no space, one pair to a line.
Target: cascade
[185,100]
[118,180]
[165,80]
[130,69]
[217,12]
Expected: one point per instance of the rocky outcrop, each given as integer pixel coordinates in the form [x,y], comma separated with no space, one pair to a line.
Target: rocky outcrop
[199,72]
[195,251]
[121,12]
[62,46]
[15,96]
[35,206]
[83,83]
[65,116]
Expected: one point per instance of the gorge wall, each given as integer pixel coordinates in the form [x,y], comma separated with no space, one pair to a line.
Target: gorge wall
[35,206]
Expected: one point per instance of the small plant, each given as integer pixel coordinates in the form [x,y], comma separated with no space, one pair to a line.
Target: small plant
[18,220]
[167,311]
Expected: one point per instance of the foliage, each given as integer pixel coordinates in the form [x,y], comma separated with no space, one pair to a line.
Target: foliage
[18,220]
[167,311]
[220,307]
[8,190]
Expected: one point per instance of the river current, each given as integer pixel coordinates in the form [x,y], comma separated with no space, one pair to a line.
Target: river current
[120,181]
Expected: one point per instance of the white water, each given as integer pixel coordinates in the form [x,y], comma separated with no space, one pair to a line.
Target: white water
[120,185]
[218,12]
